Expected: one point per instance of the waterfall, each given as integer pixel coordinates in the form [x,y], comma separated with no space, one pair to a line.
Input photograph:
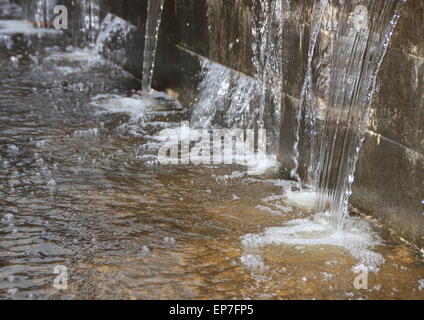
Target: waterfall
[362,40]
[154,16]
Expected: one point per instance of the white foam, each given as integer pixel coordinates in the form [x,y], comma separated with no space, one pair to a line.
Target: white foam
[94,132]
[276,201]
[274,205]
[227,178]
[421,285]
[67,70]
[259,163]
[135,107]
[305,200]
[268,210]
[356,239]
[283,184]
[253,261]
[84,57]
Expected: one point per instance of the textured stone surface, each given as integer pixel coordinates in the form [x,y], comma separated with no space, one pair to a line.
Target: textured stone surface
[389,185]
[398,109]
[409,32]
[217,29]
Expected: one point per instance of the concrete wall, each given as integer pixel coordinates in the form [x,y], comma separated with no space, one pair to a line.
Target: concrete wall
[390,175]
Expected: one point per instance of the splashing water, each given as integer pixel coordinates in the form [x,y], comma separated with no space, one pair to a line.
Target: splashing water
[231,99]
[226,98]
[306,232]
[154,17]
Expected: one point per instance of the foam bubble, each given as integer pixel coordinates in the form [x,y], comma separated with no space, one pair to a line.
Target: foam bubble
[260,163]
[275,201]
[136,108]
[253,261]
[86,133]
[356,239]
[305,200]
[268,210]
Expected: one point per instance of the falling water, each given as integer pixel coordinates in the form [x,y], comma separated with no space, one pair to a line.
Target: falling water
[231,99]
[226,98]
[90,13]
[86,23]
[43,13]
[154,16]
[267,60]
[362,40]
[307,99]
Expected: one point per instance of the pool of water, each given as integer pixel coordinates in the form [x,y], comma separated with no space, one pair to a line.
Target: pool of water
[80,187]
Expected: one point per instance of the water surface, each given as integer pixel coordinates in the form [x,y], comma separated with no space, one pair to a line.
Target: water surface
[80,188]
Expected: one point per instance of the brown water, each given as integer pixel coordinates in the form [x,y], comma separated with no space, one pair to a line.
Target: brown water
[94,202]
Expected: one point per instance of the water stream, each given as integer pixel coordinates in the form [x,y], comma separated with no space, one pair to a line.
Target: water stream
[90,22]
[43,11]
[86,23]
[363,37]
[307,104]
[154,17]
